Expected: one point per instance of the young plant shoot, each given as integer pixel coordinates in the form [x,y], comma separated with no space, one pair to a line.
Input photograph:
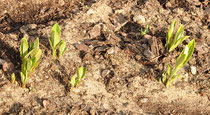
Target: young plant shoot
[146,30]
[173,41]
[30,58]
[55,41]
[75,80]
[170,75]
[13,78]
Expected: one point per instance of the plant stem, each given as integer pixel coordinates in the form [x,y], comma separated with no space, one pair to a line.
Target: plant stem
[54,54]
[24,85]
[174,72]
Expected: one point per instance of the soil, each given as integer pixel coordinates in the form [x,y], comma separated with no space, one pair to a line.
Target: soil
[123,67]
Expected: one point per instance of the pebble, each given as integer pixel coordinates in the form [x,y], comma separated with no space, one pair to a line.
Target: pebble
[193,70]
[45,103]
[111,51]
[185,77]
[148,37]
[105,72]
[148,54]
[2,35]
[82,46]
[168,5]
[144,46]
[144,100]
[13,36]
[139,19]
[90,11]
[96,31]
[32,26]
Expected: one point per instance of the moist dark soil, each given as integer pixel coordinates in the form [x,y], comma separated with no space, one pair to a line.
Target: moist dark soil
[123,67]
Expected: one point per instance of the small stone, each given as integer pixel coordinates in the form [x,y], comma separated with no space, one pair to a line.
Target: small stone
[32,26]
[136,82]
[13,36]
[96,31]
[185,77]
[90,11]
[105,72]
[5,67]
[148,37]
[24,29]
[82,47]
[144,46]
[168,5]
[139,19]
[148,54]
[2,35]
[111,51]
[143,100]
[45,103]
[32,32]
[193,70]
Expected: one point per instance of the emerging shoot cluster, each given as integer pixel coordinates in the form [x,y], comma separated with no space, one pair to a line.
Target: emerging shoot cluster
[170,75]
[75,80]
[55,41]
[30,55]
[172,39]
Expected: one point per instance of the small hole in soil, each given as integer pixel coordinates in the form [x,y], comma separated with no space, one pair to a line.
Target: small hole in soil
[82,54]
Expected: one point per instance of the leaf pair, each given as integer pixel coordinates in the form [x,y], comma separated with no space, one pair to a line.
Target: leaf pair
[173,41]
[145,31]
[75,80]
[30,58]
[55,41]
[169,76]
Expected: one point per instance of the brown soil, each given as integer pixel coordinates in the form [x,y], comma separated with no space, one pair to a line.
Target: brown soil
[122,67]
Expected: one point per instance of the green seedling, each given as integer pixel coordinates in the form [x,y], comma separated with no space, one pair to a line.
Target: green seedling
[62,48]
[13,78]
[145,31]
[173,41]
[169,76]
[55,41]
[30,58]
[75,80]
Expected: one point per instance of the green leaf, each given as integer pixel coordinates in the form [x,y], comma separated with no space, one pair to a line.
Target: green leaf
[73,81]
[179,41]
[62,48]
[164,77]
[169,69]
[180,60]
[191,47]
[172,79]
[23,47]
[51,44]
[168,83]
[32,53]
[146,30]
[55,35]
[23,78]
[13,78]
[81,72]
[35,59]
[35,45]
[185,54]
[170,34]
[28,65]
[178,34]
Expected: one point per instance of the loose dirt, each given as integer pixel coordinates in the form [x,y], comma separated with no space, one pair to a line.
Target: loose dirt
[123,67]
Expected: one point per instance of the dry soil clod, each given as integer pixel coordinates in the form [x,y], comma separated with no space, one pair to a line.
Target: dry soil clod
[4,64]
